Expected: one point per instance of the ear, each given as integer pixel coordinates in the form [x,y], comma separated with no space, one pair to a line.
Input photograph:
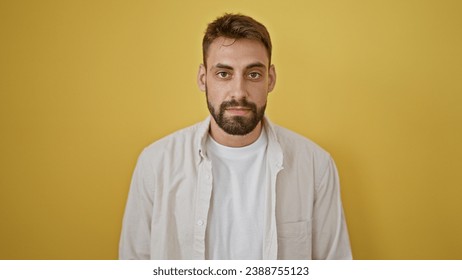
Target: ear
[271,78]
[202,77]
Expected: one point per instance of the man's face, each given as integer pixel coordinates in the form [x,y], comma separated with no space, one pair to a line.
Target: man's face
[237,82]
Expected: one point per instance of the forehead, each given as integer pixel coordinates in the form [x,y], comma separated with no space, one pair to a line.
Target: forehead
[236,51]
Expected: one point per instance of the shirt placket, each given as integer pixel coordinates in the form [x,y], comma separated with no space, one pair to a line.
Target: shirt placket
[204,191]
[275,165]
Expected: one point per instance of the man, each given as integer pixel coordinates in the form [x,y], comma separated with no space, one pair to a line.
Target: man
[235,186]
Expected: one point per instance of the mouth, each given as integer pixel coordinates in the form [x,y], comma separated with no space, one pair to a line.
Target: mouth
[238,111]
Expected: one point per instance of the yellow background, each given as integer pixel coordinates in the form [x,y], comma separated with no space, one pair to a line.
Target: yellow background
[85,85]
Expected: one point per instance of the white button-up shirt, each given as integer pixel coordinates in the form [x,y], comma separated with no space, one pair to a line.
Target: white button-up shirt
[169,199]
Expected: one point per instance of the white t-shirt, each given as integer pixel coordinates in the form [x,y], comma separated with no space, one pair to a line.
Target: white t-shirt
[235,226]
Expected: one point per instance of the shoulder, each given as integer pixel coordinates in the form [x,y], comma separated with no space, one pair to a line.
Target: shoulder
[295,143]
[179,142]
[302,154]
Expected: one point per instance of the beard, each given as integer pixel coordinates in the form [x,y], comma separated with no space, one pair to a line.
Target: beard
[237,125]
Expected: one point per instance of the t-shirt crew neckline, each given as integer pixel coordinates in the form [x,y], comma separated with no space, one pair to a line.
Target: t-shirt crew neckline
[238,152]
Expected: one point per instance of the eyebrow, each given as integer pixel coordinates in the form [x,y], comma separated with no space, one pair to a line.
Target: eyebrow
[252,65]
[256,65]
[220,65]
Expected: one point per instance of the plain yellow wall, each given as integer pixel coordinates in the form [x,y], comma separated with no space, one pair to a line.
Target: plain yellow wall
[85,85]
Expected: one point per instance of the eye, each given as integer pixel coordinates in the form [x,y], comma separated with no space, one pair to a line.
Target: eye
[223,75]
[254,75]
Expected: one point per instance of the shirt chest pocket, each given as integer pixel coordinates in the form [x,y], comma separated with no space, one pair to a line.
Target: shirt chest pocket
[294,241]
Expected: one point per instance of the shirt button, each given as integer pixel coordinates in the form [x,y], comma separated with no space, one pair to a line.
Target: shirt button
[200,223]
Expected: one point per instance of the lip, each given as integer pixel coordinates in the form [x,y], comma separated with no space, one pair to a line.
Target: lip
[239,111]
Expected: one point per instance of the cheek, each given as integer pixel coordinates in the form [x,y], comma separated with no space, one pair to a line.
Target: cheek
[216,91]
[261,101]
[260,94]
[213,96]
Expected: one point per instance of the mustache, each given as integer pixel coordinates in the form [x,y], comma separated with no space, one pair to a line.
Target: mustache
[241,103]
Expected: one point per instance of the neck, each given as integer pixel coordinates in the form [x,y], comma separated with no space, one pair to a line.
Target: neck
[235,141]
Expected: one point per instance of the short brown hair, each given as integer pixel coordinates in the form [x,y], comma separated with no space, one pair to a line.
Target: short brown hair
[236,26]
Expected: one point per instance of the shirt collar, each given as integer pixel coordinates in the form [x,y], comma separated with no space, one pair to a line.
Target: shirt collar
[201,138]
[275,154]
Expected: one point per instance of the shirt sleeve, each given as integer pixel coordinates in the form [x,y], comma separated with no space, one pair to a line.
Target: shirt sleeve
[136,227]
[330,234]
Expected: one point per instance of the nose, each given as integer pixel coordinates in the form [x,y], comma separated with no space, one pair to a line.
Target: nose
[239,88]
